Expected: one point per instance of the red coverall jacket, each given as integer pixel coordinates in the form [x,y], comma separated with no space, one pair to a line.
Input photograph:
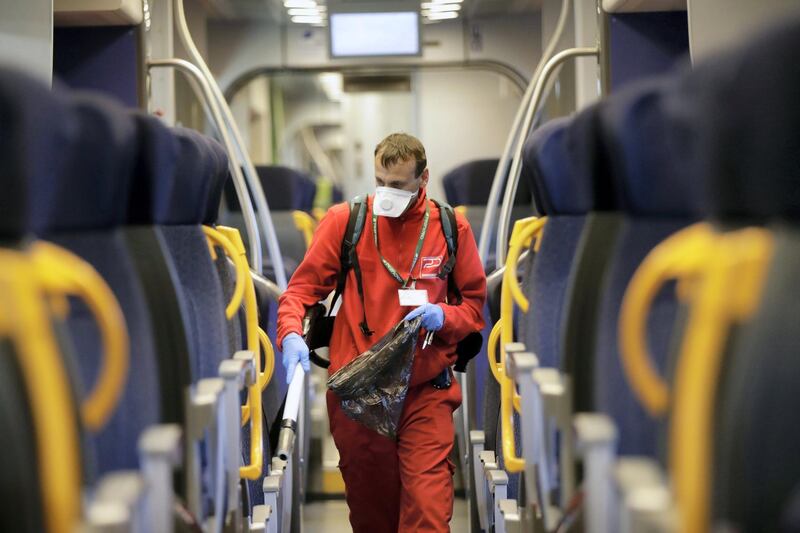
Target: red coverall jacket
[404,485]
[315,278]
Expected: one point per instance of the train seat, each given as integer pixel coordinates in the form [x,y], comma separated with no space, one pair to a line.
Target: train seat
[658,194]
[82,208]
[747,118]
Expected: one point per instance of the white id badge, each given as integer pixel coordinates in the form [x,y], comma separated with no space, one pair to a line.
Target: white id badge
[412,297]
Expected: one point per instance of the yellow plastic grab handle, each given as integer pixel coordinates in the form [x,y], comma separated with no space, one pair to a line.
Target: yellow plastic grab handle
[306,225]
[497,371]
[25,321]
[523,234]
[727,292]
[318,213]
[62,273]
[269,358]
[254,409]
[682,256]
[266,375]
[491,352]
[461,210]
[217,238]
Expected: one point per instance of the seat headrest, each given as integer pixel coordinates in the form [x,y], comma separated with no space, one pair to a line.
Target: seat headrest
[650,154]
[557,187]
[34,134]
[222,174]
[89,189]
[747,118]
[471,183]
[196,176]
[286,189]
[154,177]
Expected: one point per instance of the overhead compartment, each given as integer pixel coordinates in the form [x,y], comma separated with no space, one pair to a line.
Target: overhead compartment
[630,6]
[97,12]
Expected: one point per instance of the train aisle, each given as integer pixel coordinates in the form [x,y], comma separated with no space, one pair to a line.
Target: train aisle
[331,516]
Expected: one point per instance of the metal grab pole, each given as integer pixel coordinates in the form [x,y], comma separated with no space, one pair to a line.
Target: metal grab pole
[239,184]
[516,162]
[502,167]
[262,209]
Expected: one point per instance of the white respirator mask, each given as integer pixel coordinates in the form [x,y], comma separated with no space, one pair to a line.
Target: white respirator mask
[392,203]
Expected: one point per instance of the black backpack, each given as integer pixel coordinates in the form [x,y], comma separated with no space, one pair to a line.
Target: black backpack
[318,326]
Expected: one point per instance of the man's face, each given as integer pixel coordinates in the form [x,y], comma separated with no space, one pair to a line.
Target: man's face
[401,176]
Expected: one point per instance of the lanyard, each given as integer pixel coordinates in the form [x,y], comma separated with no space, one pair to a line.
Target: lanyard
[386,263]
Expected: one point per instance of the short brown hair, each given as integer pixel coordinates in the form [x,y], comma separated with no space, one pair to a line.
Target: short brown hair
[401,147]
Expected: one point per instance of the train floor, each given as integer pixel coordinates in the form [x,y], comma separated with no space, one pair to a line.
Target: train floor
[331,516]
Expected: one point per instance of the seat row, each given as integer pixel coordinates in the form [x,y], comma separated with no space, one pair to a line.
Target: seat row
[129,327]
[644,360]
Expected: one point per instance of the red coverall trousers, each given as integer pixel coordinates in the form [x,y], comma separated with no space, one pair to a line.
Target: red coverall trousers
[404,485]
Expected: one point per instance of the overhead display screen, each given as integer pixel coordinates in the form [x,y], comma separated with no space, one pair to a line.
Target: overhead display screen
[374,34]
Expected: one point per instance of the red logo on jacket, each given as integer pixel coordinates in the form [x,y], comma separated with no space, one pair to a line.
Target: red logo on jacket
[429,267]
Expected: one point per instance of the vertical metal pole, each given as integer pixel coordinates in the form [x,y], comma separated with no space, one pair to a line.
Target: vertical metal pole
[504,221]
[238,180]
[262,209]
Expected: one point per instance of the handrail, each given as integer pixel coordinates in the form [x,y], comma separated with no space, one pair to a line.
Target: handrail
[726,273]
[681,256]
[525,231]
[516,162]
[306,225]
[62,273]
[491,351]
[253,469]
[500,174]
[262,212]
[729,294]
[269,359]
[216,238]
[497,371]
[206,95]
[24,319]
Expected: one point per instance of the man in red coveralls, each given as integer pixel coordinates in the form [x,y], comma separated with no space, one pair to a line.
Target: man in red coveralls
[404,485]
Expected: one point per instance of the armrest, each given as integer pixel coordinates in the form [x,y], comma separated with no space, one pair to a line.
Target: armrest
[557,400]
[498,488]
[117,503]
[596,438]
[477,440]
[260,518]
[237,373]
[272,492]
[203,412]
[160,451]
[510,516]
[645,501]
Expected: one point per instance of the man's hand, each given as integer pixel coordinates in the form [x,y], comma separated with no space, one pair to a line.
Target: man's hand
[294,351]
[432,316]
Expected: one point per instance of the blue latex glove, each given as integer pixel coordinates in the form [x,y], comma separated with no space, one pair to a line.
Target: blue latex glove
[432,316]
[294,351]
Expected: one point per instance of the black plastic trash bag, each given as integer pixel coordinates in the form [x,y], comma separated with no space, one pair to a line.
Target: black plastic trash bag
[373,386]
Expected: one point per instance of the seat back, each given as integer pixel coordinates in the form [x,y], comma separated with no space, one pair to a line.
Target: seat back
[183,208]
[81,208]
[741,108]
[155,266]
[656,191]
[565,198]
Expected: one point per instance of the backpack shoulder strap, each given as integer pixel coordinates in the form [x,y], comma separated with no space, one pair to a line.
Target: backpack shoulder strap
[355,226]
[447,217]
[348,258]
